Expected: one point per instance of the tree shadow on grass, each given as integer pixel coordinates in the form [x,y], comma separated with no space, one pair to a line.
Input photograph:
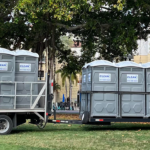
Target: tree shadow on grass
[120,127]
[39,130]
[83,128]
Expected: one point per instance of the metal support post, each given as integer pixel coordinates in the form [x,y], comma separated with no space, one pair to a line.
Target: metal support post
[15,95]
[54,114]
[31,96]
[46,116]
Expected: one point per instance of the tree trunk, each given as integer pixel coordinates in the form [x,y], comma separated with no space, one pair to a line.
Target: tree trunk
[41,51]
[66,88]
[52,55]
[46,58]
[70,93]
[54,80]
[51,68]
[54,63]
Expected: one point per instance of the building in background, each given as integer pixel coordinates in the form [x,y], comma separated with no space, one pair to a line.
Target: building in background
[42,68]
[142,54]
[75,87]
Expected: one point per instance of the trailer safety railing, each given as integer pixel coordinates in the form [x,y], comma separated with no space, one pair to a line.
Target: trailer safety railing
[32,104]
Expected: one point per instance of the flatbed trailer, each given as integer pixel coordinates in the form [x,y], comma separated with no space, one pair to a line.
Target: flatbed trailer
[97,120]
[86,115]
[11,118]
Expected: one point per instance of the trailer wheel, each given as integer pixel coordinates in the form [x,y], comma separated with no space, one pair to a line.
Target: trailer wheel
[41,124]
[6,125]
[85,117]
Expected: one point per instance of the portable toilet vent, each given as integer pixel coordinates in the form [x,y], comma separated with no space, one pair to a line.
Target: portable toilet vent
[26,71]
[132,79]
[7,74]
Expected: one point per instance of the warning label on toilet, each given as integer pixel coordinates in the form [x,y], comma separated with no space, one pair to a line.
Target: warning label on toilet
[132,78]
[104,77]
[4,66]
[25,67]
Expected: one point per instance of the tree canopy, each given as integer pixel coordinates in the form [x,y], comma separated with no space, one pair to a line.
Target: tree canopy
[110,27]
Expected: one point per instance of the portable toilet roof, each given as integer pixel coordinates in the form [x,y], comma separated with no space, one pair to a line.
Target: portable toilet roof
[26,53]
[85,66]
[102,63]
[146,65]
[128,64]
[6,51]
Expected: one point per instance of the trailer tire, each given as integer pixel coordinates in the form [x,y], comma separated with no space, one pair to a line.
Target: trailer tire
[85,117]
[6,124]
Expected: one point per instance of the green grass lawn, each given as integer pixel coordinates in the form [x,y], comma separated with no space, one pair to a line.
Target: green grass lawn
[63,137]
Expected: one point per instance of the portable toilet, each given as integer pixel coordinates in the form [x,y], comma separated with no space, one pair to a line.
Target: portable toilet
[83,103]
[84,97]
[84,74]
[147,82]
[89,78]
[85,78]
[104,77]
[7,74]
[132,79]
[26,71]
[84,87]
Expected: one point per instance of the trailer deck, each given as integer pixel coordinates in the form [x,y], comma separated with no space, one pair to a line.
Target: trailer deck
[11,118]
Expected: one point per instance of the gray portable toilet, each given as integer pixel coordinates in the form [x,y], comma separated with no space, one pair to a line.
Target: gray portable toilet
[89,78]
[84,74]
[104,77]
[132,79]
[84,87]
[83,103]
[7,74]
[85,78]
[26,71]
[147,82]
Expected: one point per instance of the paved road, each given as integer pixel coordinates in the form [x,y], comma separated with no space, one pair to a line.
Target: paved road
[67,111]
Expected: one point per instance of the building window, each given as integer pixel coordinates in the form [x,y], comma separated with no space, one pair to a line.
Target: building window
[43,58]
[41,73]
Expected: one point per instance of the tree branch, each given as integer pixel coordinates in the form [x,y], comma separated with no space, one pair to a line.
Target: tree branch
[106,8]
[70,28]
[80,26]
